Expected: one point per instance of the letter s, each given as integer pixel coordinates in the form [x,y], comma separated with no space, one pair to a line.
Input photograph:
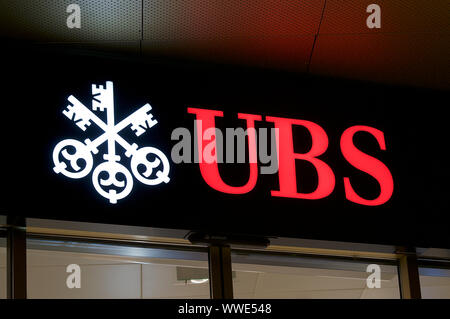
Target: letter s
[367,164]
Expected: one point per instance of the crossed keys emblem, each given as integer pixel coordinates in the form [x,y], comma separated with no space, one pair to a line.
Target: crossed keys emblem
[111,179]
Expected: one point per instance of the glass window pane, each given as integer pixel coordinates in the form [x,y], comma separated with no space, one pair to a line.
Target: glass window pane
[114,271]
[2,267]
[257,275]
[434,283]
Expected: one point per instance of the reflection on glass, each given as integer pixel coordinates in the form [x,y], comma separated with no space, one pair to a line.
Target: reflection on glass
[434,283]
[114,271]
[260,275]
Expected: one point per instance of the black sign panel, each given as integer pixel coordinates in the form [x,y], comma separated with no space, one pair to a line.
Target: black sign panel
[36,89]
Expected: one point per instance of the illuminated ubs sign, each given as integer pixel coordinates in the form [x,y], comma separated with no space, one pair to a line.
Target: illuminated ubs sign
[347,154]
[287,157]
[150,166]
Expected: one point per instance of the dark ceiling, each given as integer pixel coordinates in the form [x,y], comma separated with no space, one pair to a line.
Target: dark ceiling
[322,37]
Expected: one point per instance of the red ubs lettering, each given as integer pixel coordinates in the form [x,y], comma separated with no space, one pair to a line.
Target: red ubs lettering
[287,158]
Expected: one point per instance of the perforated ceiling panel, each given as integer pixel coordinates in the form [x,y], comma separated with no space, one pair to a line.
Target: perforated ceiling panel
[268,33]
[419,60]
[403,16]
[45,20]
[411,47]
[327,38]
[218,19]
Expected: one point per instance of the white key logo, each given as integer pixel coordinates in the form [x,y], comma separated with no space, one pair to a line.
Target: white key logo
[111,179]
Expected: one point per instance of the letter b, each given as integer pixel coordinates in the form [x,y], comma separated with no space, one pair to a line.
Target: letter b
[287,157]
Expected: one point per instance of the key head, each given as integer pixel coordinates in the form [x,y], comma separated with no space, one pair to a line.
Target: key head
[117,184]
[68,154]
[150,170]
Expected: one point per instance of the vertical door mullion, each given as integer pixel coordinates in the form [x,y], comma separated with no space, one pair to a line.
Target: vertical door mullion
[220,272]
[16,261]
[409,274]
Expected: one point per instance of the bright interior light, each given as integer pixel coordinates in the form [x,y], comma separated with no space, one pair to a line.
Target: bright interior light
[198,281]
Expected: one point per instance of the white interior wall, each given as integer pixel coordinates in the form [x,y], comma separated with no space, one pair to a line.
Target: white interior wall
[106,276]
